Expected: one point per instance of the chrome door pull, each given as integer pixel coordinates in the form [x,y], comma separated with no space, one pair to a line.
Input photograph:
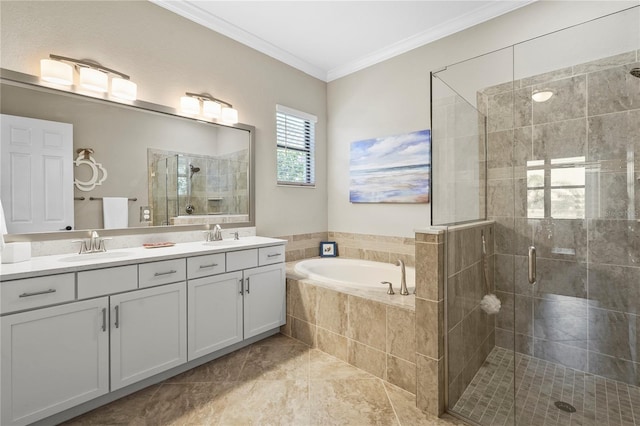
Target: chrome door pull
[159,274]
[274,255]
[37,293]
[247,285]
[241,286]
[104,319]
[532,265]
[117,321]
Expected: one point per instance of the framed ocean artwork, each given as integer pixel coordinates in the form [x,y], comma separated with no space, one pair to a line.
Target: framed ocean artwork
[392,169]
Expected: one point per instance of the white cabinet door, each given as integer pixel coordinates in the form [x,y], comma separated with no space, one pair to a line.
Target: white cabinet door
[53,359]
[36,170]
[264,299]
[215,313]
[148,333]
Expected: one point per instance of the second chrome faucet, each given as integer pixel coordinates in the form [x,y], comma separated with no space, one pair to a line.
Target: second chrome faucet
[403,278]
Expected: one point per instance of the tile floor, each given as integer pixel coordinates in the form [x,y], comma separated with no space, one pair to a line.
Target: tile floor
[598,401]
[275,381]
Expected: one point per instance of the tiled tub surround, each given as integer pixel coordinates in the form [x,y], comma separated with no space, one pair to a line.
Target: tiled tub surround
[470,331]
[375,334]
[583,311]
[378,248]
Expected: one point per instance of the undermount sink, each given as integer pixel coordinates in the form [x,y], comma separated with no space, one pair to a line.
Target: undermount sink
[94,256]
[223,243]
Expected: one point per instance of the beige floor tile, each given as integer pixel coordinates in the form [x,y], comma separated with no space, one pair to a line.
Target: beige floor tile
[269,402]
[278,340]
[404,405]
[128,410]
[326,367]
[350,402]
[276,362]
[224,369]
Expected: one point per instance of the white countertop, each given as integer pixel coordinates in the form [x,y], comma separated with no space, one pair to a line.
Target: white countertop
[73,262]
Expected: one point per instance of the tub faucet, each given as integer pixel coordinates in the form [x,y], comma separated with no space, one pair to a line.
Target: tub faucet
[403,278]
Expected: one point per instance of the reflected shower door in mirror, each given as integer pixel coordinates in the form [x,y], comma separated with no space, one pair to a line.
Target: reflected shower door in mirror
[135,146]
[187,188]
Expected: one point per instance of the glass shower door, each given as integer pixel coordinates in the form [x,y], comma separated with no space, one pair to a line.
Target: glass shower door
[576,210]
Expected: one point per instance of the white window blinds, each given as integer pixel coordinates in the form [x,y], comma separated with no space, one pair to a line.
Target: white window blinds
[295,133]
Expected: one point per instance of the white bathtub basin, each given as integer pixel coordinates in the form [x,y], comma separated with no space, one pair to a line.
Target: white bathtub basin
[361,274]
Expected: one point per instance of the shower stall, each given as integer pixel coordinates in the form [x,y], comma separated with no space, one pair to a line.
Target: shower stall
[537,148]
[194,189]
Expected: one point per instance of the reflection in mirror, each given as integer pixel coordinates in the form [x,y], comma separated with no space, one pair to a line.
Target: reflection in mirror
[173,170]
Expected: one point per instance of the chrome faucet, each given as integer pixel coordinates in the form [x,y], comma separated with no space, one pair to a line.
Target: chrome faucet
[403,278]
[214,235]
[217,233]
[95,244]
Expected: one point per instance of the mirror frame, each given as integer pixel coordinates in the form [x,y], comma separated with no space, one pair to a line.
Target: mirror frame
[19,79]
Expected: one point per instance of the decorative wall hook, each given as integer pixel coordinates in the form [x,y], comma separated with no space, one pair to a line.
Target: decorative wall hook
[84,157]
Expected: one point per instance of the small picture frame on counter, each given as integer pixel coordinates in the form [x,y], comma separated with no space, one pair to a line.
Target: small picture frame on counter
[328,249]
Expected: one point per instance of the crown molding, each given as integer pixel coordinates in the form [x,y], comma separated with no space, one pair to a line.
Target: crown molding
[445,29]
[191,11]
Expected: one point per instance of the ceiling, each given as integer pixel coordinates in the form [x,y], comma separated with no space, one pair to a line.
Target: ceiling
[331,39]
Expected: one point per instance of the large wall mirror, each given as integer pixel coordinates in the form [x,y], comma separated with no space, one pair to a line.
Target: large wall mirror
[172,170]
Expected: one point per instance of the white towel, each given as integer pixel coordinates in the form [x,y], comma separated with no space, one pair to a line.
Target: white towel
[116,212]
[3,227]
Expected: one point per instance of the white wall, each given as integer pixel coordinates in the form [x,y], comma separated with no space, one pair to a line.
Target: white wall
[393,97]
[168,55]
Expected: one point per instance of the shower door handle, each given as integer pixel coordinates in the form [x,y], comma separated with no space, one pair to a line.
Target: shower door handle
[532,265]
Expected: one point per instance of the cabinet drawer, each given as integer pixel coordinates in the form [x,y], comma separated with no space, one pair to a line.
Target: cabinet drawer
[164,272]
[269,255]
[242,259]
[107,281]
[35,292]
[202,266]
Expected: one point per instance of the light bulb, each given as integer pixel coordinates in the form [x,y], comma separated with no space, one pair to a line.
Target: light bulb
[93,79]
[56,72]
[211,109]
[541,95]
[229,115]
[189,105]
[124,89]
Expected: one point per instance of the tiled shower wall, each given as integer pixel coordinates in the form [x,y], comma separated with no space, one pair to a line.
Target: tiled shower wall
[470,331]
[583,310]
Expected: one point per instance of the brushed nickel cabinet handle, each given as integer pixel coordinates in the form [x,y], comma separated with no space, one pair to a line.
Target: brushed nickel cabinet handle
[241,286]
[532,265]
[116,323]
[247,279]
[37,293]
[159,274]
[213,265]
[104,319]
[274,255]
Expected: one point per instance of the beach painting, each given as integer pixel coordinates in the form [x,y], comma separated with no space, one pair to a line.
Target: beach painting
[392,169]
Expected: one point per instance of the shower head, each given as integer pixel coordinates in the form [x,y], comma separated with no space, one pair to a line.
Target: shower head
[194,170]
[635,72]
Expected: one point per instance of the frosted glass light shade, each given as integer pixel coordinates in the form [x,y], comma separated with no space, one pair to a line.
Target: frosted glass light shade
[211,109]
[124,89]
[189,105]
[56,72]
[542,95]
[229,115]
[92,79]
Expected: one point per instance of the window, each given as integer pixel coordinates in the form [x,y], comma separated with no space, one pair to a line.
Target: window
[295,133]
[556,188]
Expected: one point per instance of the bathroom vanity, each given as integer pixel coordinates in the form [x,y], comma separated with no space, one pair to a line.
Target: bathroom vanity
[81,330]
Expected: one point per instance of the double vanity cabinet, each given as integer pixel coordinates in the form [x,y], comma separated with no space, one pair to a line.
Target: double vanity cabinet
[70,334]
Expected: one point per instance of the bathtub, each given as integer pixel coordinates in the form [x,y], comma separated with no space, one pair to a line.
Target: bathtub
[355,273]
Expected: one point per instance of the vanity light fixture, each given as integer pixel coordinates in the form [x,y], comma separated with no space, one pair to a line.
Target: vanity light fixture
[211,107]
[93,76]
[542,95]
